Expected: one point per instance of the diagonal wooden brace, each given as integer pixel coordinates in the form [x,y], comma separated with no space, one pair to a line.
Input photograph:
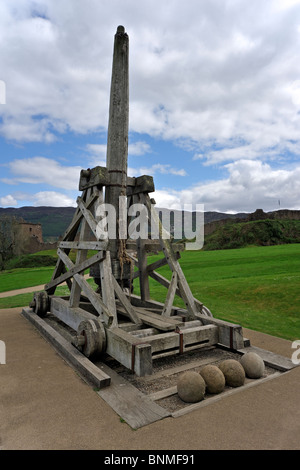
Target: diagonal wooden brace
[75,270]
[106,316]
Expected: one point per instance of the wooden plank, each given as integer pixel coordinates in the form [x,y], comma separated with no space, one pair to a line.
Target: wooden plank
[70,234]
[71,316]
[93,177]
[270,359]
[176,322]
[182,368]
[161,262]
[87,216]
[107,290]
[94,298]
[73,227]
[127,349]
[154,305]
[155,322]
[167,248]
[141,184]
[143,332]
[84,245]
[143,274]
[70,354]
[81,256]
[125,302]
[130,404]
[167,392]
[82,267]
[170,296]
[163,281]
[230,334]
[153,246]
[131,352]
[196,336]
[68,280]
[151,267]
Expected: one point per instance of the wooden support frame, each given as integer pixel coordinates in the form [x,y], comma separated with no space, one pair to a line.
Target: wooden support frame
[154,329]
[172,260]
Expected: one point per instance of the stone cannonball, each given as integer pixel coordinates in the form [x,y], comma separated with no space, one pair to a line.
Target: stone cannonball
[214,378]
[253,365]
[191,387]
[233,371]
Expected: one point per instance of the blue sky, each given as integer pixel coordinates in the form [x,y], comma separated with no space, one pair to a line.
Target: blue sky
[214,99]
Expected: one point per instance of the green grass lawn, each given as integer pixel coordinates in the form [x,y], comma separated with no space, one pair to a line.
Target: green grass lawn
[24,277]
[257,287]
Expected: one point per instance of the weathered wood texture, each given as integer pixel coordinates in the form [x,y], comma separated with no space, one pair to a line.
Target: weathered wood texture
[71,355]
[271,359]
[133,406]
[117,138]
[71,316]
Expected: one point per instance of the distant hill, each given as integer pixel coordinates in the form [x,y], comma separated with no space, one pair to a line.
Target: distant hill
[55,220]
[264,232]
[221,229]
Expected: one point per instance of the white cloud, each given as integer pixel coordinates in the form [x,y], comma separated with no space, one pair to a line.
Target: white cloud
[226,88]
[98,151]
[138,148]
[164,169]
[38,170]
[250,185]
[41,198]
[52,198]
[168,199]
[221,80]
[8,201]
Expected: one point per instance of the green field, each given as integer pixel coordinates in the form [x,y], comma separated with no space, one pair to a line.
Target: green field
[257,287]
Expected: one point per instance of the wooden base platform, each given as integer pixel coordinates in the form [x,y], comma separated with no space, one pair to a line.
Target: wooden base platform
[140,401]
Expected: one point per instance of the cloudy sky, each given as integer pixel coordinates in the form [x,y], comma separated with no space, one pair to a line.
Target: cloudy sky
[214,99]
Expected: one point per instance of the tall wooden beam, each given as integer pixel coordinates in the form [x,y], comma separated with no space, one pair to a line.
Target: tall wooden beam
[117,139]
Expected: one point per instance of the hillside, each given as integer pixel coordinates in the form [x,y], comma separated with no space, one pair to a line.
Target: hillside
[55,220]
[222,230]
[257,232]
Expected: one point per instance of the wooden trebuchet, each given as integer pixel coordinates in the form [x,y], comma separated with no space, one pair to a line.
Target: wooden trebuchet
[106,314]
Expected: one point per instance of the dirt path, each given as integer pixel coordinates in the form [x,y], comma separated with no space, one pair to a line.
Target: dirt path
[27,290]
[44,405]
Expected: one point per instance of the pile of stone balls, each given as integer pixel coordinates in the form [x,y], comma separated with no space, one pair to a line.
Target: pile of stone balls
[192,386]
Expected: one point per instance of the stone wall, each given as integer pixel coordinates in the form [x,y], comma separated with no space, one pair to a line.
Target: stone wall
[28,230]
[29,239]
